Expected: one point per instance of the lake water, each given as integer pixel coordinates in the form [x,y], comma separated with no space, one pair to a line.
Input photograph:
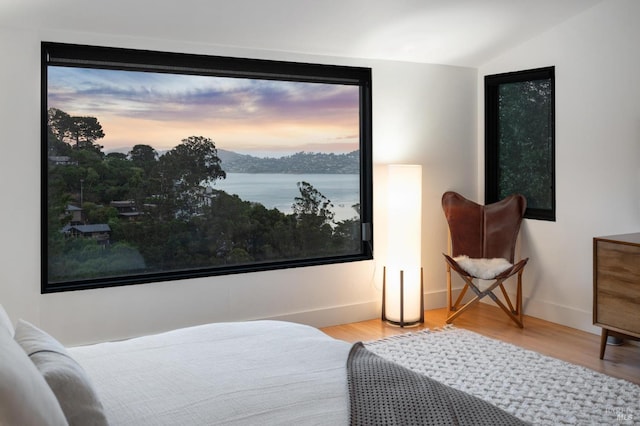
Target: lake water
[279,191]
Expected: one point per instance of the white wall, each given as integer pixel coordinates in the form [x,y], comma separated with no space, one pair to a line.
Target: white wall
[597,64]
[423,114]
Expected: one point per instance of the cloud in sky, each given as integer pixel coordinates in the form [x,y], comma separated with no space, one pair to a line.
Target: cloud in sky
[238,114]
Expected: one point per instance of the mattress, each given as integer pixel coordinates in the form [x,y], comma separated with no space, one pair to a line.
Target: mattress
[244,373]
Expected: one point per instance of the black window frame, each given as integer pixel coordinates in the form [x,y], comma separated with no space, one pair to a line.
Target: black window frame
[76,55]
[492,166]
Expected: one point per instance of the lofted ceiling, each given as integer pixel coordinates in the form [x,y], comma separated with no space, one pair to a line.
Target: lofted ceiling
[455,32]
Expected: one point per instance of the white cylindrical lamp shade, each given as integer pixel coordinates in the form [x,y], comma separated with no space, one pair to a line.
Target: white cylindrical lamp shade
[404,243]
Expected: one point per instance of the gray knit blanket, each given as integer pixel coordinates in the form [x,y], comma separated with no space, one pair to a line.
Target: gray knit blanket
[382,392]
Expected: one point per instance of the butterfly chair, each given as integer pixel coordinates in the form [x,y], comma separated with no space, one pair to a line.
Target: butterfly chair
[482,242]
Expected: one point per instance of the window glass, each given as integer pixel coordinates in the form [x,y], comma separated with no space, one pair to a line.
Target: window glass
[161,166]
[520,139]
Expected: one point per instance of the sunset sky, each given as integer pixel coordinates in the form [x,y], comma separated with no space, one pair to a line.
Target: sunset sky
[258,117]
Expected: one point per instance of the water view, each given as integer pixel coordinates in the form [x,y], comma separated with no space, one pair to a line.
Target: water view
[275,190]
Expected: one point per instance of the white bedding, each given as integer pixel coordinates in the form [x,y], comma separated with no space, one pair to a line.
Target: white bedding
[259,372]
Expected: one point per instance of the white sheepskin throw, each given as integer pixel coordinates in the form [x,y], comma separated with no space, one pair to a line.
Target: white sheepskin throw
[485,269]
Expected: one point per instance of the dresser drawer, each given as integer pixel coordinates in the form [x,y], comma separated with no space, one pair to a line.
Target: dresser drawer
[617,285]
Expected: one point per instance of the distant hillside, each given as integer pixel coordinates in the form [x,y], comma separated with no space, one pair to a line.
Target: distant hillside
[299,163]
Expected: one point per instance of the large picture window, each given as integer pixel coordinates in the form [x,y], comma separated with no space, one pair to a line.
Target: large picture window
[520,139]
[161,166]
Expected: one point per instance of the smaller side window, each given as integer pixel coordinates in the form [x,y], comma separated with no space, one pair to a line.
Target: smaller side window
[520,139]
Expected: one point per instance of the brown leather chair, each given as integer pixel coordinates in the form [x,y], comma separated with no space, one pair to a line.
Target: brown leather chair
[482,246]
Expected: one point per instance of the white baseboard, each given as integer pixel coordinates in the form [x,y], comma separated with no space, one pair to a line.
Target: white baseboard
[560,314]
[335,315]
[553,312]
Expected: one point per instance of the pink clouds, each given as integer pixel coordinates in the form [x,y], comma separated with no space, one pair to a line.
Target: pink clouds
[238,114]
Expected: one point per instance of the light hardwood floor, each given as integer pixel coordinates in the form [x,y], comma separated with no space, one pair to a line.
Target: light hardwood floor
[569,344]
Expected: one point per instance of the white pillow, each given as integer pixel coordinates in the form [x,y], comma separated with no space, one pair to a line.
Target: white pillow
[5,322]
[25,397]
[66,378]
[486,269]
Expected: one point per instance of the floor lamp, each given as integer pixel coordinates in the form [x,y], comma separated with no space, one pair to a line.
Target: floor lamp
[402,281]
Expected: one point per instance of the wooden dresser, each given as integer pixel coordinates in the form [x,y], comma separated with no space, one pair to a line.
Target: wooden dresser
[616,286]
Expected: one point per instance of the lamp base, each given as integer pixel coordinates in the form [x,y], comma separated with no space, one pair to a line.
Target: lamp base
[402,323]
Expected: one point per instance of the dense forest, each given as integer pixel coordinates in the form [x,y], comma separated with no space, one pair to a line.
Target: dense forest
[525,144]
[174,219]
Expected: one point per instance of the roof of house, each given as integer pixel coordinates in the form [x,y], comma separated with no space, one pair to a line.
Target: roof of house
[88,229]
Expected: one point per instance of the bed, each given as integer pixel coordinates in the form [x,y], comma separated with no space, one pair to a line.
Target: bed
[237,373]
